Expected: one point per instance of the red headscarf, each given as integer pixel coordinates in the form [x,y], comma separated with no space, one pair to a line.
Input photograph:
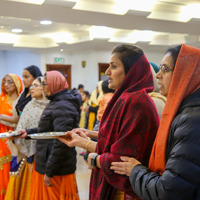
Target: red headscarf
[185,81]
[56,81]
[128,127]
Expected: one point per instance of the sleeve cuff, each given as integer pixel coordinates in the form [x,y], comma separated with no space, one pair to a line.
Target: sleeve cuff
[135,172]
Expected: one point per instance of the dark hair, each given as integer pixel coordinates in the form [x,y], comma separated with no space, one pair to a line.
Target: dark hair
[105,87]
[128,54]
[174,53]
[80,86]
[39,79]
[34,71]
[87,94]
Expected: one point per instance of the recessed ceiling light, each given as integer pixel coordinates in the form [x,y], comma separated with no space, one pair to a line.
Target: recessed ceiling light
[16,30]
[46,22]
[61,50]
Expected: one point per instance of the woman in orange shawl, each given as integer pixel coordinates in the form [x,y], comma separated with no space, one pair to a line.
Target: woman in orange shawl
[11,88]
[174,167]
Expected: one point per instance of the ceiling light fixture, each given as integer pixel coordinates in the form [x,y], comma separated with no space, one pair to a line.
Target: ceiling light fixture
[142,5]
[142,36]
[101,32]
[39,2]
[60,37]
[61,50]
[191,11]
[16,30]
[8,38]
[46,22]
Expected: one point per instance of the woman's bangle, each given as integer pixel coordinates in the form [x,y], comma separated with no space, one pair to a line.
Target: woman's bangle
[87,145]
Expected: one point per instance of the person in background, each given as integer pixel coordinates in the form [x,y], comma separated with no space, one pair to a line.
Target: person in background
[128,125]
[174,166]
[95,97]
[108,94]
[80,88]
[155,67]
[158,99]
[19,183]
[11,88]
[85,96]
[29,75]
[55,163]
[8,120]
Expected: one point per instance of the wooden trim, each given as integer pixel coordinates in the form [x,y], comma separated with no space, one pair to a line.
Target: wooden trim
[102,67]
[63,68]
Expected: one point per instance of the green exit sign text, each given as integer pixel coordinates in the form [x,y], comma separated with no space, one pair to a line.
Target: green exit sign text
[59,60]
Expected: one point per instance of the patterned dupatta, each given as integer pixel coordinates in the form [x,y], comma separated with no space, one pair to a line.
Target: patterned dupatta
[128,127]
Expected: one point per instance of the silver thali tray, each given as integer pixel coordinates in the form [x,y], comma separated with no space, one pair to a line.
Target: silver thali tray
[7,134]
[47,135]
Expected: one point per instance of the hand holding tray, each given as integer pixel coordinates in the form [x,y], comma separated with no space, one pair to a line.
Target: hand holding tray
[47,135]
[9,134]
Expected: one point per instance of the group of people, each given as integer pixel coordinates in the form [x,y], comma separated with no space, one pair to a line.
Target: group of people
[42,169]
[147,135]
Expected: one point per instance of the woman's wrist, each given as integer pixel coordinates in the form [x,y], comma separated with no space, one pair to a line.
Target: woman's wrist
[98,161]
[81,142]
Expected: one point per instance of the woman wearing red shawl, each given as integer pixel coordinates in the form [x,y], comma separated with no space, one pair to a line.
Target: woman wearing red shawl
[11,88]
[128,125]
[174,165]
[55,163]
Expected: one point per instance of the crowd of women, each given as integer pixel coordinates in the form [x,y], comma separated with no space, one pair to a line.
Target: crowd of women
[141,130]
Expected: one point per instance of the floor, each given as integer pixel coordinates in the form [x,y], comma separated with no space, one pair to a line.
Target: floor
[82,176]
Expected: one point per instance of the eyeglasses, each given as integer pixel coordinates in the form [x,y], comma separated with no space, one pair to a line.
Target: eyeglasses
[43,84]
[8,82]
[34,86]
[164,69]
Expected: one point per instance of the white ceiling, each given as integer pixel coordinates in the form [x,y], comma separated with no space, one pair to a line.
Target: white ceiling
[171,22]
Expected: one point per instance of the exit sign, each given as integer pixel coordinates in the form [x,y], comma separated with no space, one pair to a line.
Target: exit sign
[59,60]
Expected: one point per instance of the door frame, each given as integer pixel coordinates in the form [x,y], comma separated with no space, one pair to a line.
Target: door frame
[64,67]
[101,67]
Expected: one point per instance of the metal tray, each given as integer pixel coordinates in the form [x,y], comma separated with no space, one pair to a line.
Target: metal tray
[7,134]
[47,135]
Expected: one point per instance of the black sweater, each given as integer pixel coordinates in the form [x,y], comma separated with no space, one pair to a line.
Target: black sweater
[61,114]
[181,178]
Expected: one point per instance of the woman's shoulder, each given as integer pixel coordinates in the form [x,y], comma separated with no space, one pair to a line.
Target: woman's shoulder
[186,125]
[138,97]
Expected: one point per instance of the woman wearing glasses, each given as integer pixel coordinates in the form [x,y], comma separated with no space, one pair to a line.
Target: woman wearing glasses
[11,88]
[29,75]
[19,183]
[174,166]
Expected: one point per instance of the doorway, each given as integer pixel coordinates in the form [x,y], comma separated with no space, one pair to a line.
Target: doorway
[64,69]
[102,69]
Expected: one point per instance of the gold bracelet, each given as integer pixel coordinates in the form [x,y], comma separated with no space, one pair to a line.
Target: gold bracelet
[87,145]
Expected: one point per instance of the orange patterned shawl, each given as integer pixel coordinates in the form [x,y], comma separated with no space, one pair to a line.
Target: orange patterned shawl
[185,81]
[6,109]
